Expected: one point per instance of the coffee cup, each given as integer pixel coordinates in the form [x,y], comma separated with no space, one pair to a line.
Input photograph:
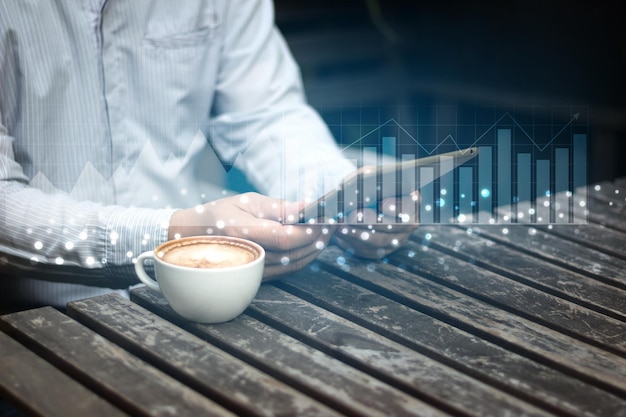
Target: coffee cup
[206,279]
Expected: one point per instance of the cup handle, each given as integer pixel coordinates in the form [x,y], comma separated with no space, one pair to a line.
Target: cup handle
[141,272]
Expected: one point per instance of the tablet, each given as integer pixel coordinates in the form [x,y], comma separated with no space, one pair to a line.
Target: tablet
[369,185]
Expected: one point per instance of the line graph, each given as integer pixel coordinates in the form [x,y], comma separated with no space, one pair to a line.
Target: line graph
[531,167]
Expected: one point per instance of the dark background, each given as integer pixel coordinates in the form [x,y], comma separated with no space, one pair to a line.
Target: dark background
[391,55]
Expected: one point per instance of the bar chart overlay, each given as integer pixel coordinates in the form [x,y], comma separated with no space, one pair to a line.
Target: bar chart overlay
[461,165]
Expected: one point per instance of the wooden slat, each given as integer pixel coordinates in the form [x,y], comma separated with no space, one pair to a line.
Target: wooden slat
[104,367]
[608,192]
[537,242]
[190,359]
[479,358]
[297,364]
[38,388]
[520,299]
[396,364]
[562,352]
[611,242]
[529,270]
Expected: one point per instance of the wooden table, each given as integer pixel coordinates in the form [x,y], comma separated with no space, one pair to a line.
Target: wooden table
[469,321]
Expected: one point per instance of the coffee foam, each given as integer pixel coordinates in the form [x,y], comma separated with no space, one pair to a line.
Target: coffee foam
[208,254]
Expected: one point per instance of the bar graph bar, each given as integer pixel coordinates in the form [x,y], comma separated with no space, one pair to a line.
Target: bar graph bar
[504,174]
[543,191]
[579,186]
[561,200]
[485,184]
[446,190]
[466,195]
[427,206]
[523,200]
[409,210]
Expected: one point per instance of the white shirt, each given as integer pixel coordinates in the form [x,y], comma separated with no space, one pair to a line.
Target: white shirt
[109,115]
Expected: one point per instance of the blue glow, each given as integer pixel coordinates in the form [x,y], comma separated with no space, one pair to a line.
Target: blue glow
[485,193]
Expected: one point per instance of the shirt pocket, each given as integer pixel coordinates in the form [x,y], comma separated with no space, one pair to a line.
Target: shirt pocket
[190,39]
[171,28]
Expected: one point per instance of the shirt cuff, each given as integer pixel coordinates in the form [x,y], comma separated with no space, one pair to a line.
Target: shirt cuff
[128,232]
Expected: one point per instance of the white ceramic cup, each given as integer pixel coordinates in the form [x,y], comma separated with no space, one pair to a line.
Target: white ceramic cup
[222,284]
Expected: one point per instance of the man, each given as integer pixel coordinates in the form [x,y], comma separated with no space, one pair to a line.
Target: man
[110,112]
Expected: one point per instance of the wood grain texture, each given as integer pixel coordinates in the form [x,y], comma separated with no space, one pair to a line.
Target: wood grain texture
[198,364]
[104,367]
[38,388]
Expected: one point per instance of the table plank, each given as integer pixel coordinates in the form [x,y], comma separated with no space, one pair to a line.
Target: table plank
[522,300]
[528,270]
[474,356]
[200,365]
[390,361]
[608,192]
[535,240]
[38,388]
[594,236]
[535,341]
[105,368]
[297,364]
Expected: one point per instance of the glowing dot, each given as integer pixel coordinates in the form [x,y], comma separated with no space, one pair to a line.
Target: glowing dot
[114,236]
[462,195]
[69,245]
[505,231]
[344,231]
[462,218]
[199,209]
[405,218]
[90,260]
[177,236]
[546,204]
[484,193]
[245,231]
[38,245]
[411,254]
[394,242]
[597,188]
[274,205]
[220,224]
[532,231]
[325,231]
[284,260]
[531,211]
[244,199]
[444,191]
[428,207]
[441,202]
[183,191]
[146,236]
[392,207]
[365,236]
[341,260]
[319,245]
[428,236]
[582,204]
[59,261]
[129,254]
[290,218]
[29,231]
[547,193]
[520,215]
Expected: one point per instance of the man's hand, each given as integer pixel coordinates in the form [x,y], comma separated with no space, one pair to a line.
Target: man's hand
[252,216]
[362,234]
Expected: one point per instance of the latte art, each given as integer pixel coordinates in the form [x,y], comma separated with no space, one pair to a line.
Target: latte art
[209,255]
